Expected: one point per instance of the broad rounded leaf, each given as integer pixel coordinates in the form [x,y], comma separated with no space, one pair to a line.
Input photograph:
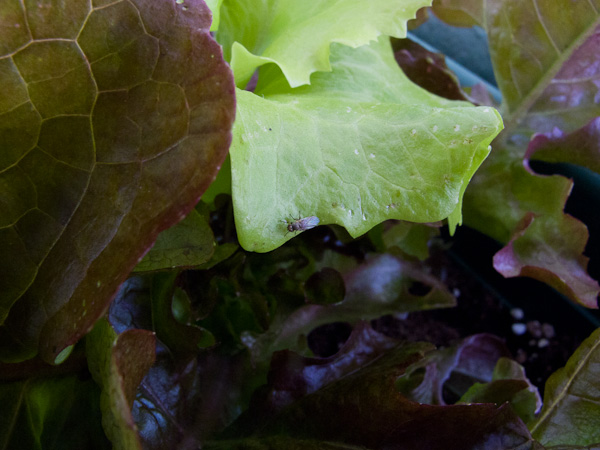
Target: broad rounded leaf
[296,35]
[117,118]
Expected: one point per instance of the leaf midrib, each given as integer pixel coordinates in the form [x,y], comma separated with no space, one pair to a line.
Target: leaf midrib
[561,395]
[534,94]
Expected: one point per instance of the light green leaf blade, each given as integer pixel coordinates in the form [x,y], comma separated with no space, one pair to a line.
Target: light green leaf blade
[359,146]
[296,35]
[215,8]
[571,411]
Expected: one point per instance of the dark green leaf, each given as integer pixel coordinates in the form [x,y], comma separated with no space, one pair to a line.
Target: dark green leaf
[188,244]
[508,384]
[51,413]
[182,338]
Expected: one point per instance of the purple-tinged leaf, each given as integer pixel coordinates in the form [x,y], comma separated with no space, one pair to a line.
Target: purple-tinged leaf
[560,265]
[364,409]
[544,54]
[546,60]
[293,376]
[515,206]
[378,287]
[117,120]
[183,401]
[509,384]
[471,360]
[185,397]
[118,363]
[571,411]
[580,147]
[427,69]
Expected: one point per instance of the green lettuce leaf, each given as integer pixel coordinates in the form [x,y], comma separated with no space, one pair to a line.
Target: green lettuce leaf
[296,36]
[508,384]
[361,145]
[117,119]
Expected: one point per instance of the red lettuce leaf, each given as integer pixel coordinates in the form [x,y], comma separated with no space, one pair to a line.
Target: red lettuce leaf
[364,409]
[118,363]
[561,265]
[427,69]
[185,397]
[471,360]
[124,123]
[292,376]
[379,286]
[546,61]
[580,147]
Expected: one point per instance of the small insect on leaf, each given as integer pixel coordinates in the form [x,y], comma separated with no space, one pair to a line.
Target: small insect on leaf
[302,224]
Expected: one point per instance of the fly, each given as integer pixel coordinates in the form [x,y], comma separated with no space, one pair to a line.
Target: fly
[302,224]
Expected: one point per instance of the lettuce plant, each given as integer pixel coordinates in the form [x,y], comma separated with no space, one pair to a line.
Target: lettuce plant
[136,315]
